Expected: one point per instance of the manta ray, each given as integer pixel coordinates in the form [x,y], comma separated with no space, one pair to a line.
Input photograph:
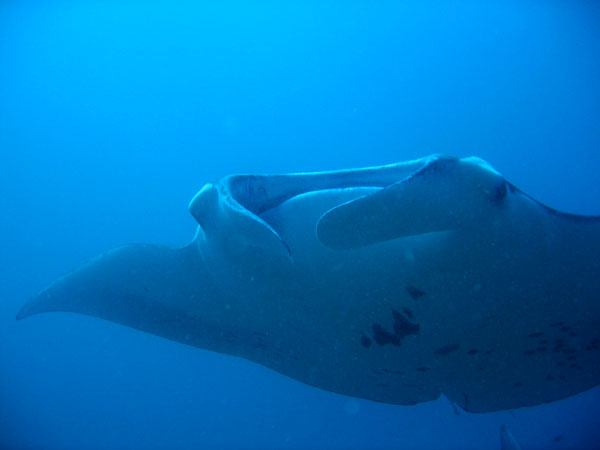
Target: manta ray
[395,283]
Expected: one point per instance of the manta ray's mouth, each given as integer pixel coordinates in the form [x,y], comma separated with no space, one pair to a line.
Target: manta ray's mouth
[259,193]
[234,207]
[434,189]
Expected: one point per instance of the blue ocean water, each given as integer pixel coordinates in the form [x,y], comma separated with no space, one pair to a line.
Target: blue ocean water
[112,116]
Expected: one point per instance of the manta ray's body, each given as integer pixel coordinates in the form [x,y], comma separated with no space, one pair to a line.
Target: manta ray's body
[394,284]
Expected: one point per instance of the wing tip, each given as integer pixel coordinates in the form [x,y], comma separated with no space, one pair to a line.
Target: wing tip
[26,310]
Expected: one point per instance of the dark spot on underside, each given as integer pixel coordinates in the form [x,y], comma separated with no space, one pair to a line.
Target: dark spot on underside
[415,293]
[364,340]
[402,328]
[558,438]
[383,336]
[473,351]
[397,372]
[447,349]
[534,335]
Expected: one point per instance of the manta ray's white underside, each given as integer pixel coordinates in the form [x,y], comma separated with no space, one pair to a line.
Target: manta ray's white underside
[394,283]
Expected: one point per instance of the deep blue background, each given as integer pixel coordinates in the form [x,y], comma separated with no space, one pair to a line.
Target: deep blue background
[113,114]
